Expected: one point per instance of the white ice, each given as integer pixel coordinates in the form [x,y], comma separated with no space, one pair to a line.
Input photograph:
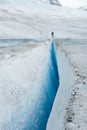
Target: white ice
[37,20]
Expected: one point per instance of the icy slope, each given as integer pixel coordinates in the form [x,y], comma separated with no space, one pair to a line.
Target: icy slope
[54,2]
[22,23]
[36,19]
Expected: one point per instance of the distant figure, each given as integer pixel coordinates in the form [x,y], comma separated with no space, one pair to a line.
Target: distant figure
[52,34]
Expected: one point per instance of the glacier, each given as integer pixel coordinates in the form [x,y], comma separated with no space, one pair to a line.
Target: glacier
[31,64]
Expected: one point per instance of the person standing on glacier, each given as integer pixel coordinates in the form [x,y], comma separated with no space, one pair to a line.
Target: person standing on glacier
[52,33]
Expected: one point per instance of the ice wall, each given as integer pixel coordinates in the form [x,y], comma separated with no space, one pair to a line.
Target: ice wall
[47,94]
[57,117]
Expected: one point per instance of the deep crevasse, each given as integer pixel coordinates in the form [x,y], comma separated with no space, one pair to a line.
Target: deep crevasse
[47,94]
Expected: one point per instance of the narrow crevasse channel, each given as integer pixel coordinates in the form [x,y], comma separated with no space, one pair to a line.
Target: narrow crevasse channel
[51,84]
[47,94]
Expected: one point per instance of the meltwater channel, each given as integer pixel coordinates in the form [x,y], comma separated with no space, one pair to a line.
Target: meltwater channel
[47,97]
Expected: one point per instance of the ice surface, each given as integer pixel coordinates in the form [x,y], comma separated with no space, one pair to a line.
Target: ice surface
[35,20]
[77,106]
